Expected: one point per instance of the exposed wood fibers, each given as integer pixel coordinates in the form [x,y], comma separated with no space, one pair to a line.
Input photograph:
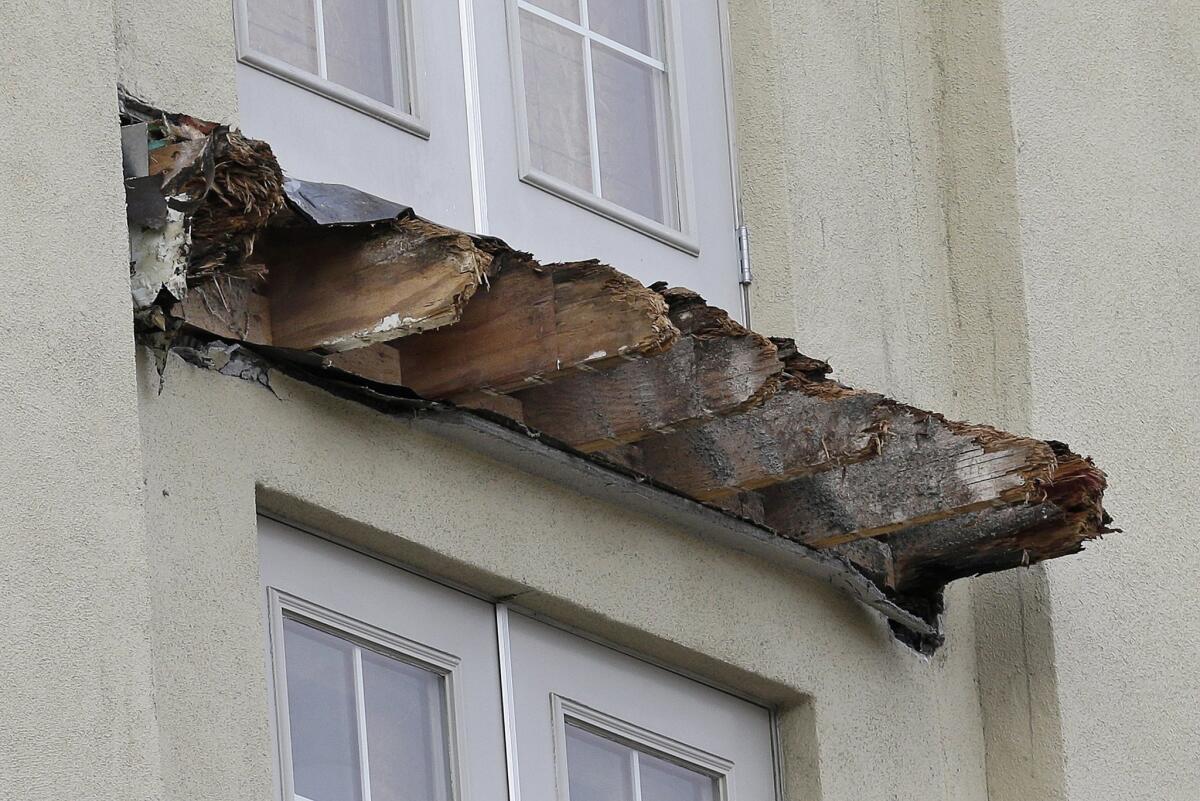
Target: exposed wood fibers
[651,379]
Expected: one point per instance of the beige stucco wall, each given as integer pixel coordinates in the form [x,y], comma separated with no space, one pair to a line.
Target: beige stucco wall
[76,702]
[868,718]
[1056,152]
[986,208]
[1106,108]
[210,440]
[180,54]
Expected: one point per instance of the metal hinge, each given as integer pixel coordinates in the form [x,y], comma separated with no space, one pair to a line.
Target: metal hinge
[745,276]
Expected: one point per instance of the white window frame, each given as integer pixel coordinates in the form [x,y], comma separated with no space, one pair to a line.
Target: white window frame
[638,739]
[367,636]
[684,238]
[403,20]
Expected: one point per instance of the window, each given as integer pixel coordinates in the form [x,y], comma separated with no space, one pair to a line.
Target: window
[610,760]
[357,52]
[390,687]
[367,715]
[597,108]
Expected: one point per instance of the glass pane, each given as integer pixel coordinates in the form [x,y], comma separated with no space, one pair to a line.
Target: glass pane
[320,692]
[358,43]
[597,769]
[666,781]
[567,9]
[555,100]
[284,29]
[633,23]
[632,122]
[406,731]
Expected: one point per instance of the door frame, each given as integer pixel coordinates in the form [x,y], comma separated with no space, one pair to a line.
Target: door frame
[476,132]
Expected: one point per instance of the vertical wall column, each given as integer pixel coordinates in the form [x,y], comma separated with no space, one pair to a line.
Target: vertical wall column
[1105,102]
[77,697]
[840,128]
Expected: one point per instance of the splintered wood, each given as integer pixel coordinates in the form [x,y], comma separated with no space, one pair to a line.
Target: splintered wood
[652,381]
[716,368]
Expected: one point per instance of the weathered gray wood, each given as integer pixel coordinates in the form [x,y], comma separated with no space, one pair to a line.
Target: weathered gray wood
[716,368]
[926,469]
[1067,512]
[797,431]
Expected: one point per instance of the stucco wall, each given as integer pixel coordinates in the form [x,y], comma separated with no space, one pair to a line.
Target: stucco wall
[1057,152]
[76,695]
[884,718]
[1106,108]
[179,54]
[848,183]
[987,208]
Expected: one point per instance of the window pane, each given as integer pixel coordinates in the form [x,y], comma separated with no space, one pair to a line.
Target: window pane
[666,781]
[358,48]
[633,23]
[636,169]
[555,100]
[567,9]
[320,692]
[597,769]
[406,731]
[284,29]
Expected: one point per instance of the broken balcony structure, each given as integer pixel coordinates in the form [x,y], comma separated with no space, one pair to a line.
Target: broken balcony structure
[580,372]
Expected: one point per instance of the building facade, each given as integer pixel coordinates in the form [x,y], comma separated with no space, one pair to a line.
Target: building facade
[989,210]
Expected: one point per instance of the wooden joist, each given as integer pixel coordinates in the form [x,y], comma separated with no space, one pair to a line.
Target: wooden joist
[649,381]
[337,288]
[807,426]
[924,469]
[716,368]
[1067,513]
[536,324]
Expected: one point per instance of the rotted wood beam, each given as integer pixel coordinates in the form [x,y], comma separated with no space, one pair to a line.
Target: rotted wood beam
[357,292]
[828,465]
[716,368]
[535,324]
[336,288]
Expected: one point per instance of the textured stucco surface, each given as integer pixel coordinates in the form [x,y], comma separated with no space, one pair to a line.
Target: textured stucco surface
[849,182]
[377,482]
[76,694]
[1034,220]
[1106,109]
[837,126]
[986,208]
[179,55]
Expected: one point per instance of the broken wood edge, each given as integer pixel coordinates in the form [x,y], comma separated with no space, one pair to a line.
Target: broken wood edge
[534,324]
[338,288]
[1058,499]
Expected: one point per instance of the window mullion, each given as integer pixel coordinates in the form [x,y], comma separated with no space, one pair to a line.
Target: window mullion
[360,708]
[635,771]
[397,52]
[319,16]
[593,130]
[628,52]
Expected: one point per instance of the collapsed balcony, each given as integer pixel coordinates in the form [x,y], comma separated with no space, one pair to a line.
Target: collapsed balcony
[578,365]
